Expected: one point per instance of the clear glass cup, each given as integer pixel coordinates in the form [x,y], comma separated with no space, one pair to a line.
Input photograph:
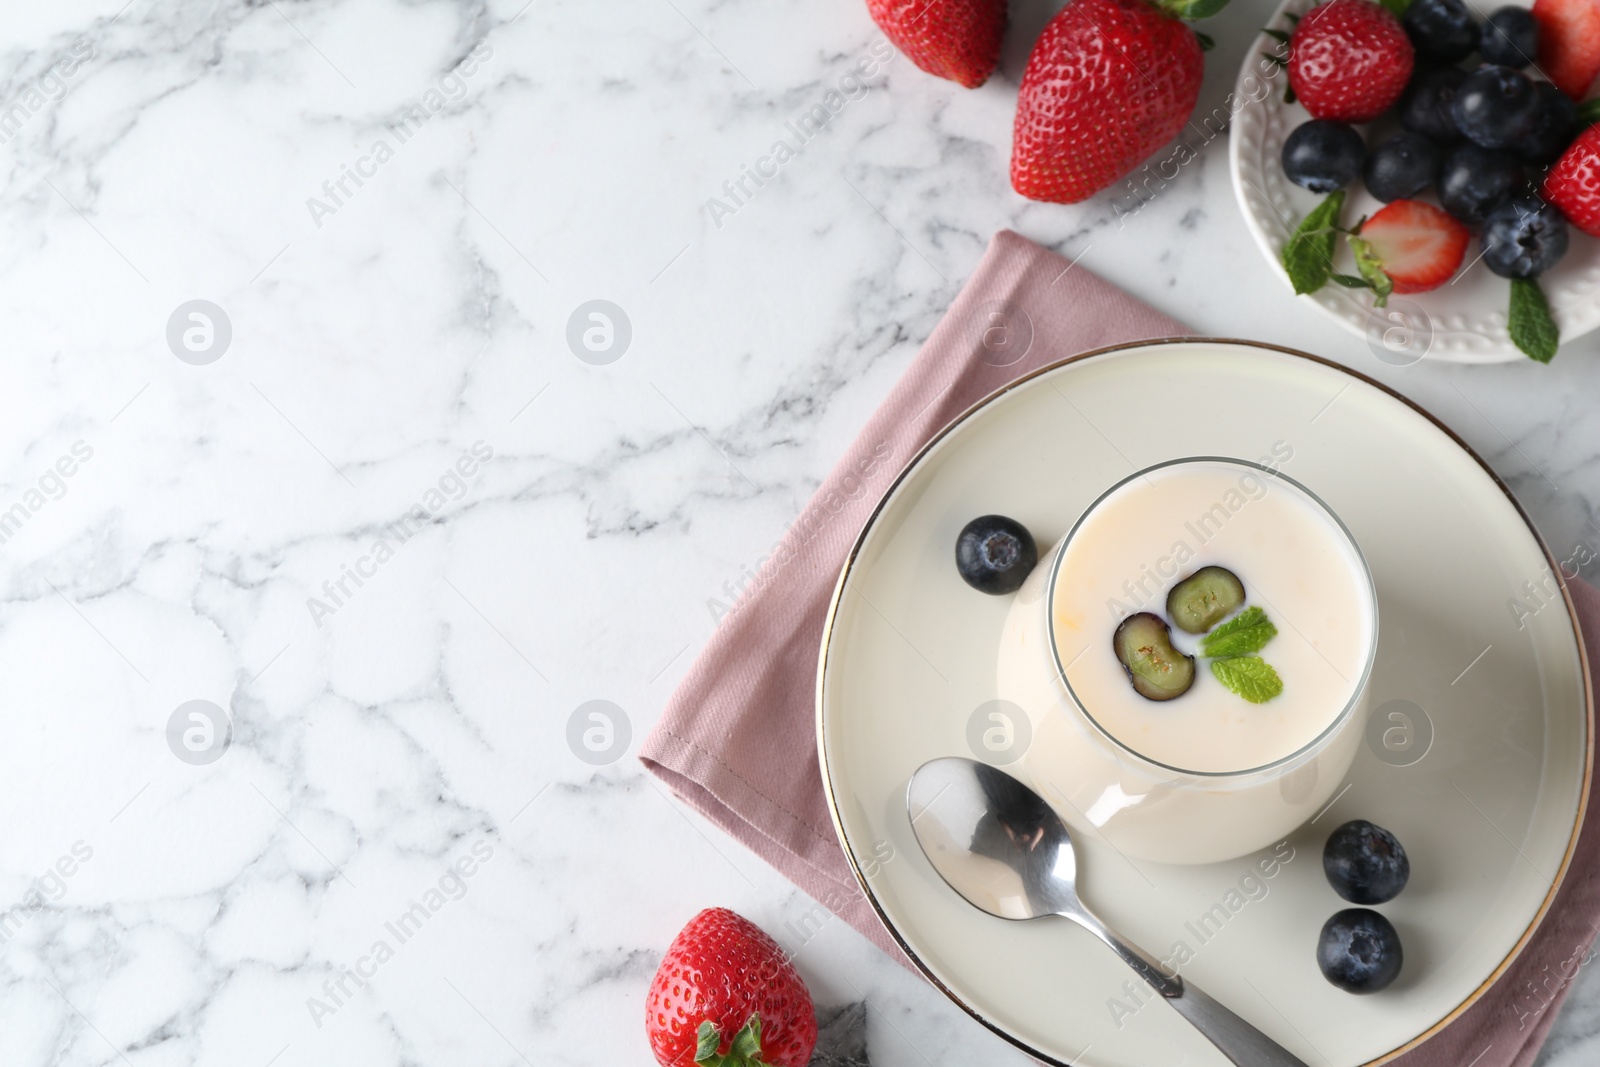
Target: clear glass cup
[1158,809]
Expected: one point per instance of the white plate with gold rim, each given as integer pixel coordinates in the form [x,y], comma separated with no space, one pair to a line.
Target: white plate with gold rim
[1486,790]
[1466,319]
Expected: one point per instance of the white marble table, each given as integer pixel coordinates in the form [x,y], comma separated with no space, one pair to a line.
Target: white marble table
[527,531]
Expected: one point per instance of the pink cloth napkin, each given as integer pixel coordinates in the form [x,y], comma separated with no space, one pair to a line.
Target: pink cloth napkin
[737,740]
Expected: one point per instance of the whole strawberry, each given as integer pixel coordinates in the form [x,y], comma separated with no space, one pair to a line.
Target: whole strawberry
[1573,184]
[1349,60]
[1108,83]
[954,39]
[725,995]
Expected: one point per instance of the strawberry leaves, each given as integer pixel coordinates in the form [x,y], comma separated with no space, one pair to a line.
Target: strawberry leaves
[1531,327]
[744,1052]
[1192,9]
[1370,267]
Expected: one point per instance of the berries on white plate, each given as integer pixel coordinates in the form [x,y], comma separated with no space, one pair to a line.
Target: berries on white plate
[1573,184]
[1442,31]
[1349,60]
[1412,243]
[1569,43]
[1401,167]
[1523,238]
[1322,155]
[1474,180]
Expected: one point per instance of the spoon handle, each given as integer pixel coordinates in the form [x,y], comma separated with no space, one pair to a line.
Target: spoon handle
[1145,965]
[1235,1038]
[1242,1043]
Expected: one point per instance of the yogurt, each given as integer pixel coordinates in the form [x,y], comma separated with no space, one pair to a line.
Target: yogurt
[1207,775]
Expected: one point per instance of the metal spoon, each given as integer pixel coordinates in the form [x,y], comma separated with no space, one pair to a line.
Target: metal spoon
[998,844]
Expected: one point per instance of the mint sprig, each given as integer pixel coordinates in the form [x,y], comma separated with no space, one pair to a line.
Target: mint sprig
[1308,256]
[1249,631]
[1249,676]
[1530,325]
[1232,648]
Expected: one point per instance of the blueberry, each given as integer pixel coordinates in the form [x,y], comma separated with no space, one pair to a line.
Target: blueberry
[1365,863]
[1474,181]
[1510,37]
[1553,129]
[1426,107]
[1359,951]
[1401,167]
[994,554]
[1496,106]
[1322,155]
[1441,30]
[1523,238]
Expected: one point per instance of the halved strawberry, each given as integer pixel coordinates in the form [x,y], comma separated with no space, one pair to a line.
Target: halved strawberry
[1412,245]
[1573,184]
[1349,60]
[954,39]
[1569,43]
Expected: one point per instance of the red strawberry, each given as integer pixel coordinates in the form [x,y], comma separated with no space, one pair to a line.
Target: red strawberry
[1417,245]
[955,39]
[1573,184]
[1108,83]
[1349,60]
[1569,43]
[726,995]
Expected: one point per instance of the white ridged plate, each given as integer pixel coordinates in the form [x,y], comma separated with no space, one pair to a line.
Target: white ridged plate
[1467,316]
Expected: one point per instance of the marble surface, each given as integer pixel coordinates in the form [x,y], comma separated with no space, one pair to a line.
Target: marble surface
[396,399]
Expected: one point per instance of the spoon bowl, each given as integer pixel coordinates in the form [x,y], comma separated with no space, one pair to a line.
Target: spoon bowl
[1000,846]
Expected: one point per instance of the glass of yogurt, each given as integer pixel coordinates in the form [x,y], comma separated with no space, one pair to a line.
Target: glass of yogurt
[1260,738]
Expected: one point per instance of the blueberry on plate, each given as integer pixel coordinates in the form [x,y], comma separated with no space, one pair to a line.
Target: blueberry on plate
[1523,238]
[1510,37]
[1496,107]
[1553,129]
[1440,30]
[1359,951]
[1322,155]
[994,554]
[1364,863]
[1426,107]
[1401,167]
[1473,181]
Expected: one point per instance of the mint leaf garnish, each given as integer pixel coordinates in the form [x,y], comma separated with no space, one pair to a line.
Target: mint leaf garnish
[1246,632]
[1397,8]
[1249,676]
[1531,327]
[1308,257]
